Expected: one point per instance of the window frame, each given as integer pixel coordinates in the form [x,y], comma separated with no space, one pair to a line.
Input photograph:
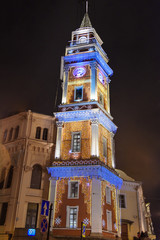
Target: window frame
[109,220]
[104,142]
[72,142]
[32,183]
[108,195]
[45,134]
[70,189]
[125,202]
[75,89]
[68,216]
[31,216]
[38,134]
[101,102]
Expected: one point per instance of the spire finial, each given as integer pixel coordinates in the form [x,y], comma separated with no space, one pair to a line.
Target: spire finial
[87,6]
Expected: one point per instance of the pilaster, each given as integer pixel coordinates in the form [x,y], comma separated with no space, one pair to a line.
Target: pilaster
[94,140]
[108,99]
[113,150]
[58,139]
[52,197]
[93,81]
[96,208]
[65,84]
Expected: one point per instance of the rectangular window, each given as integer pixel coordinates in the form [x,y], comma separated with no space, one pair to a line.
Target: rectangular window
[109,220]
[3,213]
[105,147]
[122,201]
[78,93]
[31,218]
[108,195]
[76,142]
[101,99]
[73,189]
[72,217]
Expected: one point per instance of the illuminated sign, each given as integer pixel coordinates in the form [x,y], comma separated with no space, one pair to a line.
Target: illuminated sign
[31,232]
[83,230]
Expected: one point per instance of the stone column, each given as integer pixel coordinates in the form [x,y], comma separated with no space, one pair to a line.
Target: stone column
[113,150]
[65,84]
[108,99]
[118,213]
[94,138]
[96,208]
[94,81]
[58,139]
[52,198]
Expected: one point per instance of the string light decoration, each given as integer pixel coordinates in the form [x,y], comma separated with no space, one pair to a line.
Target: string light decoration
[60,191]
[86,190]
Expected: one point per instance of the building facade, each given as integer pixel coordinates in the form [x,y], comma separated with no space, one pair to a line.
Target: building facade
[84,185]
[135,214]
[26,150]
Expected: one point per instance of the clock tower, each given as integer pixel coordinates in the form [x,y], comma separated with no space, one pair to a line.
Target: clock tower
[84,185]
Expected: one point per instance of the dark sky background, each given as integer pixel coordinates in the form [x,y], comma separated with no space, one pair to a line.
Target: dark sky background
[33,36]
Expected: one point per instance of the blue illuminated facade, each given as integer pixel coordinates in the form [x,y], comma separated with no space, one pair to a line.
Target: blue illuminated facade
[84,149]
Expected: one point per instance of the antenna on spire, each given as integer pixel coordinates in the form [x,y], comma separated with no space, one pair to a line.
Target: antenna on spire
[87,6]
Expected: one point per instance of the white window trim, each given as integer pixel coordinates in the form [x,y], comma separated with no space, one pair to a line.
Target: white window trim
[124,200]
[67,218]
[69,189]
[109,223]
[108,198]
[72,142]
[78,100]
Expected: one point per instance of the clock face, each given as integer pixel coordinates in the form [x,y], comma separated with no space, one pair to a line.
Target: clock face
[79,72]
[101,79]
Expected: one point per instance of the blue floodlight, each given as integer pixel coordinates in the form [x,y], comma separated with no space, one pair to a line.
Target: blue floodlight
[31,232]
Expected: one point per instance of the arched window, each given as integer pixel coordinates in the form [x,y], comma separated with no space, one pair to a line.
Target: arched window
[38,132]
[36,177]
[5,135]
[9,177]
[2,177]
[45,133]
[10,134]
[16,132]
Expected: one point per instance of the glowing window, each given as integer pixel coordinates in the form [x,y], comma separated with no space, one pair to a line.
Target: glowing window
[105,147]
[78,93]
[76,141]
[73,189]
[72,217]
[31,218]
[108,195]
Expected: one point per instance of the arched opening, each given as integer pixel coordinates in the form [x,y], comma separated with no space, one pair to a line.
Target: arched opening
[10,134]
[38,132]
[45,133]
[36,177]
[5,136]
[9,177]
[16,132]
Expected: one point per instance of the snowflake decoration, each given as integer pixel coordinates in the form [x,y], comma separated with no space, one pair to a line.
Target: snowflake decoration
[103,223]
[86,221]
[57,221]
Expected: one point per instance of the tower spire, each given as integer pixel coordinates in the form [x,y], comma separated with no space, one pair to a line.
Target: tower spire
[87,6]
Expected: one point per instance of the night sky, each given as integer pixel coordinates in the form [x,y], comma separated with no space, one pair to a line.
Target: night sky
[33,37]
